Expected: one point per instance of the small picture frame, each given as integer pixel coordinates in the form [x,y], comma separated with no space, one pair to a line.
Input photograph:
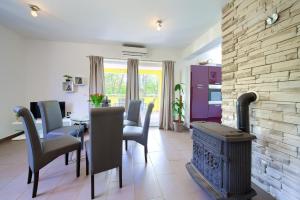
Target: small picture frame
[68,86]
[79,80]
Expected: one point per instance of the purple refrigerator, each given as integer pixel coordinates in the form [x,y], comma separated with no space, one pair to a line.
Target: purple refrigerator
[203,106]
[199,92]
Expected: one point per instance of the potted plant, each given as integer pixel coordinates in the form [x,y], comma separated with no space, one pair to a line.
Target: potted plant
[96,99]
[178,108]
[68,78]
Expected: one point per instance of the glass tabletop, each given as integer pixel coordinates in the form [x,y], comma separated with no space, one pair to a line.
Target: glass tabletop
[77,118]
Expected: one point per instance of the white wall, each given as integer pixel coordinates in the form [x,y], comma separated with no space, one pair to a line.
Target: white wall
[32,70]
[208,40]
[48,61]
[214,55]
[12,80]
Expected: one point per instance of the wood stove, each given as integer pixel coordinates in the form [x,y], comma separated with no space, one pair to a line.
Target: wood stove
[221,161]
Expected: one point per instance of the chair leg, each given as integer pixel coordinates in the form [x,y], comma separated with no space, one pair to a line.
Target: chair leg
[29,175]
[92,187]
[78,162]
[126,145]
[146,152]
[82,141]
[120,176]
[35,184]
[66,158]
[86,163]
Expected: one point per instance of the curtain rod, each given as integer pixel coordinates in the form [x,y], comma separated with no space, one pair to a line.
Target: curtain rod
[123,59]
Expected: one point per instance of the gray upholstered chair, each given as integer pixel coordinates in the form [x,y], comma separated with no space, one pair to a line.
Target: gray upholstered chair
[53,123]
[139,134]
[40,153]
[104,149]
[133,113]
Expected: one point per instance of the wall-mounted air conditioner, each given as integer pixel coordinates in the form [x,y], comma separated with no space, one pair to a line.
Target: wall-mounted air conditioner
[134,51]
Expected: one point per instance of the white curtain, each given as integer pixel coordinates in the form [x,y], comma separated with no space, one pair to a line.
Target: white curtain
[96,75]
[167,96]
[132,88]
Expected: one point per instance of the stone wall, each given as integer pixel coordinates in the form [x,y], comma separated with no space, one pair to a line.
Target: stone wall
[266,59]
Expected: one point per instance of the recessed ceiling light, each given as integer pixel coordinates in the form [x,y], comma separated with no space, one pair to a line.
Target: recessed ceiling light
[34,10]
[159,25]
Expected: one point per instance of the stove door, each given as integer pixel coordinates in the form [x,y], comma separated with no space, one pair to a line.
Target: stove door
[213,168]
[198,155]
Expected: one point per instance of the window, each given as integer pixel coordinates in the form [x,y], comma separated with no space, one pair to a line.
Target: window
[150,73]
[115,78]
[150,88]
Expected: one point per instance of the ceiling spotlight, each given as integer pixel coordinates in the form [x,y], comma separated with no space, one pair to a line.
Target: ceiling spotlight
[34,10]
[159,25]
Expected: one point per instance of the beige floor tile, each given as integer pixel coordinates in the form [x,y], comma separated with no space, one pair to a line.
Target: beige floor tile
[145,183]
[164,177]
[116,193]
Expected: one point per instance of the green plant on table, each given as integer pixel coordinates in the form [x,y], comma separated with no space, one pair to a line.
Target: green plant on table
[96,99]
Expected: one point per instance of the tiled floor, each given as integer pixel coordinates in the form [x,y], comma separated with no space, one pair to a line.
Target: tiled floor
[164,177]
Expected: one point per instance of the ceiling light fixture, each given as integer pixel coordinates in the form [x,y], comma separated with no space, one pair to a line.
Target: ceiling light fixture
[159,25]
[34,10]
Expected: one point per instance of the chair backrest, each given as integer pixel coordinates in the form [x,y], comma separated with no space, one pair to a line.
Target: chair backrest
[51,116]
[34,147]
[106,132]
[147,122]
[133,113]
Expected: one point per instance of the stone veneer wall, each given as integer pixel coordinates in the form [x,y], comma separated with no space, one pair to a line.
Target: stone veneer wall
[266,59]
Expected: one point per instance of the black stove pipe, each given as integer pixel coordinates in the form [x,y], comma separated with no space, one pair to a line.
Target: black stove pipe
[242,109]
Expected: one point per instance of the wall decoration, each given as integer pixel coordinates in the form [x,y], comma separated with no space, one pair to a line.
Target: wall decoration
[68,86]
[68,77]
[272,19]
[79,81]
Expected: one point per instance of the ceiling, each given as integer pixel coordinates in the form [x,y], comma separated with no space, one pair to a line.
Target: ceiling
[113,21]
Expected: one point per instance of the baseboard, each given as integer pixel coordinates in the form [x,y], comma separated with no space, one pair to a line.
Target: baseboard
[11,136]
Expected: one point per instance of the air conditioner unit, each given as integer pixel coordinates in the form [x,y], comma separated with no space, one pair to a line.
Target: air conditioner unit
[134,51]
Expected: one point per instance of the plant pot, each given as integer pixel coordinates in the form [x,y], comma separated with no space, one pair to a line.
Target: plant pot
[178,127]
